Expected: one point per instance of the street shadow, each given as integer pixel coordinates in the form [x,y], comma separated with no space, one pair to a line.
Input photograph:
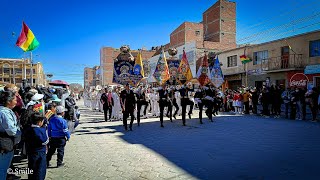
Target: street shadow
[233,147]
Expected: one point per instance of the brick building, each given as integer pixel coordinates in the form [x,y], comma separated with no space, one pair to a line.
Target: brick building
[89,74]
[216,33]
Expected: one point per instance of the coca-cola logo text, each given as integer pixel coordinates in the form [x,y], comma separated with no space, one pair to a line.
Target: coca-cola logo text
[298,83]
[299,80]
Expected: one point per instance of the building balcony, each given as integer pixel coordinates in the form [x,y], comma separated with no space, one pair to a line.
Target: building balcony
[283,63]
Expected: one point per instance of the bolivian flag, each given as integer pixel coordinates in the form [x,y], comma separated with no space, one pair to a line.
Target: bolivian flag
[27,41]
[244,59]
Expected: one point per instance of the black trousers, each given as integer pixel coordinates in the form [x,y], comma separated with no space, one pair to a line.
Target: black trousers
[125,117]
[175,104]
[265,110]
[162,105]
[209,110]
[139,105]
[107,109]
[38,163]
[56,144]
[184,103]
[200,105]
[246,106]
[254,107]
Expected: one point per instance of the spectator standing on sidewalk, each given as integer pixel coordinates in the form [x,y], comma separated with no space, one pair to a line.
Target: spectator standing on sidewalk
[246,96]
[36,141]
[313,96]
[10,133]
[277,101]
[59,134]
[255,100]
[286,97]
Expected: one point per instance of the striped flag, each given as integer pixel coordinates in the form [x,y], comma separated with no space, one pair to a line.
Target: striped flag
[244,59]
[27,41]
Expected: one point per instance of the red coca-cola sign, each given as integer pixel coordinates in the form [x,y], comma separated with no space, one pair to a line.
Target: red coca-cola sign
[299,80]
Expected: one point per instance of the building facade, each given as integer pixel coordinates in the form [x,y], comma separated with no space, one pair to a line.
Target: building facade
[88,77]
[15,70]
[293,61]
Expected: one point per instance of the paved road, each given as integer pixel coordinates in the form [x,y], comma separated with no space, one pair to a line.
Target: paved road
[233,147]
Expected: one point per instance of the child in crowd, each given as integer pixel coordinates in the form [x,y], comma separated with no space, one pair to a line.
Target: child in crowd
[36,141]
[77,114]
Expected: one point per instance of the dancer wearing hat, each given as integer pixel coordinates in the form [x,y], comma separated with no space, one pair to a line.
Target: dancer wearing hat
[163,102]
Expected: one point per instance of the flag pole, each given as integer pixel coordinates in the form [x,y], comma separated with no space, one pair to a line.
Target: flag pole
[246,74]
[31,69]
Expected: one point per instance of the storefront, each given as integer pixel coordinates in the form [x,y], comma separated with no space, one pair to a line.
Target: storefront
[235,80]
[313,73]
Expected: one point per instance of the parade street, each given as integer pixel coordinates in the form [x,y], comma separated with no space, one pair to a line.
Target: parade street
[232,147]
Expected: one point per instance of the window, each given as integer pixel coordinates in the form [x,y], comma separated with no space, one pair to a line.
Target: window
[6,80]
[259,56]
[314,47]
[6,69]
[197,33]
[232,61]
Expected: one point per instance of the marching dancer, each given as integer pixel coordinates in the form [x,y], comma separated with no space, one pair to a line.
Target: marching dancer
[163,101]
[199,98]
[141,100]
[184,102]
[128,103]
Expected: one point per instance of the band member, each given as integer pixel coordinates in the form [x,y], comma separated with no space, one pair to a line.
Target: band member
[210,95]
[170,92]
[184,102]
[117,107]
[199,98]
[128,103]
[141,100]
[107,102]
[154,97]
[163,101]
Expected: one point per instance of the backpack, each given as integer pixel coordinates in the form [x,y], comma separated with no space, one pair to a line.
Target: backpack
[25,118]
[69,105]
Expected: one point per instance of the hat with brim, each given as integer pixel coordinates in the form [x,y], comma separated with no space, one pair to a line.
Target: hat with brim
[37,97]
[55,98]
[60,109]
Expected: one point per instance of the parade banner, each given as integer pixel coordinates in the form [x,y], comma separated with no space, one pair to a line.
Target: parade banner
[175,76]
[184,67]
[216,75]
[204,72]
[161,73]
[123,73]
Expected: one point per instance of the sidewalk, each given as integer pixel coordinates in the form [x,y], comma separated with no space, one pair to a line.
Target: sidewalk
[233,147]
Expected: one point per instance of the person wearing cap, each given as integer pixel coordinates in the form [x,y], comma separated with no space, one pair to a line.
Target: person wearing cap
[59,134]
[128,103]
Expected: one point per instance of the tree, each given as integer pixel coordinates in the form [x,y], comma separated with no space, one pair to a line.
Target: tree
[75,87]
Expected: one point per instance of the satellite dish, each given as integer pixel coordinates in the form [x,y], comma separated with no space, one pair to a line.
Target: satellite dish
[49,75]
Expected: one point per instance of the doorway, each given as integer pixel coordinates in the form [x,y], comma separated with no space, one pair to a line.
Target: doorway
[285,56]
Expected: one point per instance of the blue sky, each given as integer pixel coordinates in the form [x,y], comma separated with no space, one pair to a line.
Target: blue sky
[72,32]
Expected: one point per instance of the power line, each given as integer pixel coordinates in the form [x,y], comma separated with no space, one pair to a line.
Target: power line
[294,22]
